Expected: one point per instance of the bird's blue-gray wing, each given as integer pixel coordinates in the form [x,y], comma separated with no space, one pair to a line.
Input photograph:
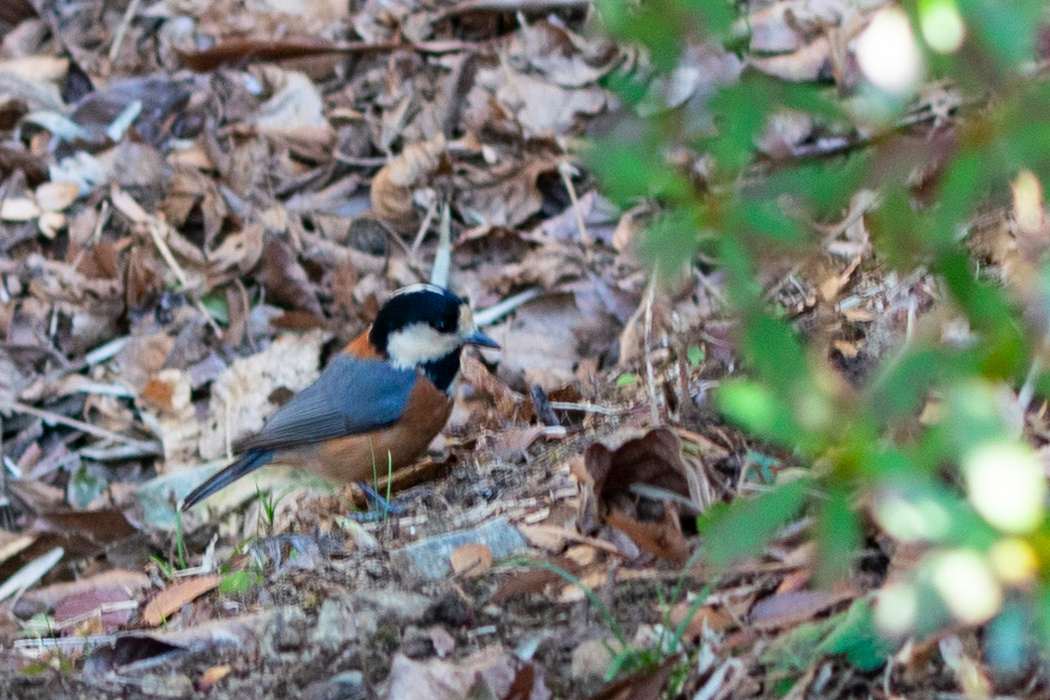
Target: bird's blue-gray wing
[351,396]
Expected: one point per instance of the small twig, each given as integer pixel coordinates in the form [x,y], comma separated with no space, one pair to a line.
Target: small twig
[118,128]
[30,574]
[468,6]
[443,256]
[58,419]
[588,408]
[118,38]
[566,170]
[154,227]
[106,351]
[650,373]
[487,317]
[424,227]
[376,162]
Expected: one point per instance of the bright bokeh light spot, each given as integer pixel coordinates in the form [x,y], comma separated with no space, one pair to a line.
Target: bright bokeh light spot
[966,584]
[912,519]
[1006,485]
[1014,561]
[1028,201]
[942,25]
[896,608]
[887,52]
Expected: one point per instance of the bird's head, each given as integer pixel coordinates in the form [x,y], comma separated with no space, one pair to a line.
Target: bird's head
[426,326]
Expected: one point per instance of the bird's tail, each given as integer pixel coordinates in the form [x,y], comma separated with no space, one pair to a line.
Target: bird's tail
[244,464]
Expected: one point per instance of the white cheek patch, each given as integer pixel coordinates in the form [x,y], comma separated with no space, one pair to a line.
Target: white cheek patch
[418,344]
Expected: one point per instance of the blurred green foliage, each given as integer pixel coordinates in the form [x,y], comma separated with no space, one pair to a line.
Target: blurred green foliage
[743,208]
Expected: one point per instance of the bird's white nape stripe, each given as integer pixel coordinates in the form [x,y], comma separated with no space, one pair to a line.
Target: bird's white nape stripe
[418,344]
[419,287]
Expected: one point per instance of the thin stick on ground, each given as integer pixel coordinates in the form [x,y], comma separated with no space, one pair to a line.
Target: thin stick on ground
[443,256]
[59,419]
[650,373]
[125,22]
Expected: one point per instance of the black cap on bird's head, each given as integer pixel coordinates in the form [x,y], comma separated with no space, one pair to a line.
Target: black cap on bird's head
[426,326]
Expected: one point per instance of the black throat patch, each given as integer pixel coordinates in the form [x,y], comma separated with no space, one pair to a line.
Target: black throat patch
[443,371]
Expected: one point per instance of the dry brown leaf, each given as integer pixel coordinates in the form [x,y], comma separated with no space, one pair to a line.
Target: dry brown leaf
[706,616]
[393,185]
[495,671]
[471,559]
[642,685]
[211,676]
[513,443]
[175,596]
[130,582]
[663,539]
[110,606]
[508,403]
[285,279]
[795,607]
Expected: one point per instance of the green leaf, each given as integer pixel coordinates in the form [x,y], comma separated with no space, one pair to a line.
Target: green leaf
[627,379]
[695,355]
[218,307]
[906,381]
[838,537]
[757,409]
[744,528]
[237,582]
[1006,29]
[855,636]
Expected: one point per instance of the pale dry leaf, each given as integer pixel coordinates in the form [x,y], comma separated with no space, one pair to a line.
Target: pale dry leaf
[539,344]
[19,209]
[544,109]
[11,544]
[50,223]
[296,103]
[811,62]
[37,69]
[564,57]
[444,643]
[317,13]
[56,196]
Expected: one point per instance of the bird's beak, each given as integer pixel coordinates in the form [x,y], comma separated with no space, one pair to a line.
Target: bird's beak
[478,338]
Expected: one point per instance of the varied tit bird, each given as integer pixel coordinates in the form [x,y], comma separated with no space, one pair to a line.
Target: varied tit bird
[378,403]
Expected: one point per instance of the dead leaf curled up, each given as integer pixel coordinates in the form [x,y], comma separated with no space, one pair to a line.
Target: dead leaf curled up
[393,185]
